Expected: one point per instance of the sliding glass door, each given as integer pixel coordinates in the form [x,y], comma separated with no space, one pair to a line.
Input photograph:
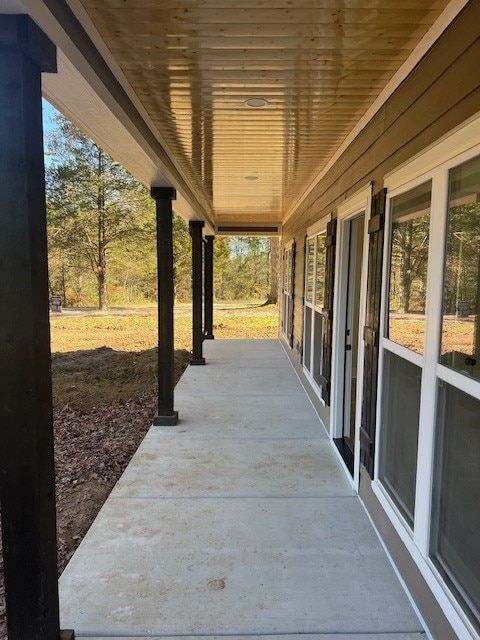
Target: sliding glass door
[428,446]
[455,539]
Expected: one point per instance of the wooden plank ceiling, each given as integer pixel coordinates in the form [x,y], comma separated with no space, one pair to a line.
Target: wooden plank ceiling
[317,64]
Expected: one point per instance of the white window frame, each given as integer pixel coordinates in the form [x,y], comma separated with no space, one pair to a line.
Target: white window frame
[408,354]
[313,232]
[434,164]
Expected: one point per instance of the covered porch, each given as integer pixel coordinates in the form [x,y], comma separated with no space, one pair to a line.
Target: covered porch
[239,521]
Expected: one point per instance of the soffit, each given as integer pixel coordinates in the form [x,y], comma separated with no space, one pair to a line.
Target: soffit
[320,64]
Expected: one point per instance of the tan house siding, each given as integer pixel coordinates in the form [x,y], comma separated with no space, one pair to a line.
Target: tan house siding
[441,92]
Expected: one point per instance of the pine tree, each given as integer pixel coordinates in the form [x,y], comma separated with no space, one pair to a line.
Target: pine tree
[94,205]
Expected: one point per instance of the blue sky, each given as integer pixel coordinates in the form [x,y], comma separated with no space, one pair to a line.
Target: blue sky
[48,114]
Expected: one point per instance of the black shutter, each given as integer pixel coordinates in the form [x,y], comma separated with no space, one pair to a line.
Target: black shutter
[327,311]
[282,288]
[371,332]
[303,293]
[292,303]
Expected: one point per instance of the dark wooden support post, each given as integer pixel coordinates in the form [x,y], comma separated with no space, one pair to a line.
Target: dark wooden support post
[27,477]
[209,287]
[196,227]
[163,198]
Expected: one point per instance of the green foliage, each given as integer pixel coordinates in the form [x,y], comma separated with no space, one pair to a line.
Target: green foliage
[408,279]
[463,258]
[99,218]
[102,238]
[241,266]
[182,259]
[243,273]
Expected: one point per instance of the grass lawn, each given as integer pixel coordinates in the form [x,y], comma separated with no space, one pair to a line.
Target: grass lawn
[136,329]
[100,358]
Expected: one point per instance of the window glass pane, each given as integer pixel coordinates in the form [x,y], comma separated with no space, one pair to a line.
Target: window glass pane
[286,266]
[307,337]
[310,265]
[408,267]
[399,431]
[317,346]
[455,539]
[461,291]
[320,276]
[290,271]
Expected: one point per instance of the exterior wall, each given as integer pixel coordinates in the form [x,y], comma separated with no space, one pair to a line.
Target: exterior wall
[440,94]
[299,293]
[295,353]
[426,604]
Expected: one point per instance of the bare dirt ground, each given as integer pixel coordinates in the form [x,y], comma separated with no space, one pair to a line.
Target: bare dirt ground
[104,396]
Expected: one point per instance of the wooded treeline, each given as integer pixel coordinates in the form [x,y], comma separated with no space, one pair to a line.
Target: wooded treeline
[101,234]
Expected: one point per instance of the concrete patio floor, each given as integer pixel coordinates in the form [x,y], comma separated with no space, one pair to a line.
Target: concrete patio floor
[238,522]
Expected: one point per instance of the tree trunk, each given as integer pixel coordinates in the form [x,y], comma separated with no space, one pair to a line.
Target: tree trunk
[102,251]
[406,292]
[64,284]
[274,270]
[406,270]
[102,278]
[476,338]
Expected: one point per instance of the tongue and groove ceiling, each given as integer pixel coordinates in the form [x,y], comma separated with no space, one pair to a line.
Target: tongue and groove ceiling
[318,65]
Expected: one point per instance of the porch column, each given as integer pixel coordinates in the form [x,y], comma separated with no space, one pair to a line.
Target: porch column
[27,477]
[196,227]
[163,197]
[208,335]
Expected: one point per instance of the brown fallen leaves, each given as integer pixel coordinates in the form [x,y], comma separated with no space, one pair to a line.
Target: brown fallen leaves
[97,436]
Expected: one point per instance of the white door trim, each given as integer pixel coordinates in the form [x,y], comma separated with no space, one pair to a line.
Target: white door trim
[357,204]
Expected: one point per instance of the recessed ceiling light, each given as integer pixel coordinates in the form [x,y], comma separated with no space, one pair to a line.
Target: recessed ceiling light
[251,177]
[256,103]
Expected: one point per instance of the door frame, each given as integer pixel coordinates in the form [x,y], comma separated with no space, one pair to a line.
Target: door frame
[359,203]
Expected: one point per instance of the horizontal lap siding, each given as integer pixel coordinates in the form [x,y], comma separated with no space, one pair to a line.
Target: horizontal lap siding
[438,95]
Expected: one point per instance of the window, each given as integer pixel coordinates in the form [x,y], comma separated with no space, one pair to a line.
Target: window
[287,292]
[400,417]
[314,297]
[428,431]
[455,540]
[461,287]
[320,272]
[455,522]
[403,346]
[310,268]
[408,267]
